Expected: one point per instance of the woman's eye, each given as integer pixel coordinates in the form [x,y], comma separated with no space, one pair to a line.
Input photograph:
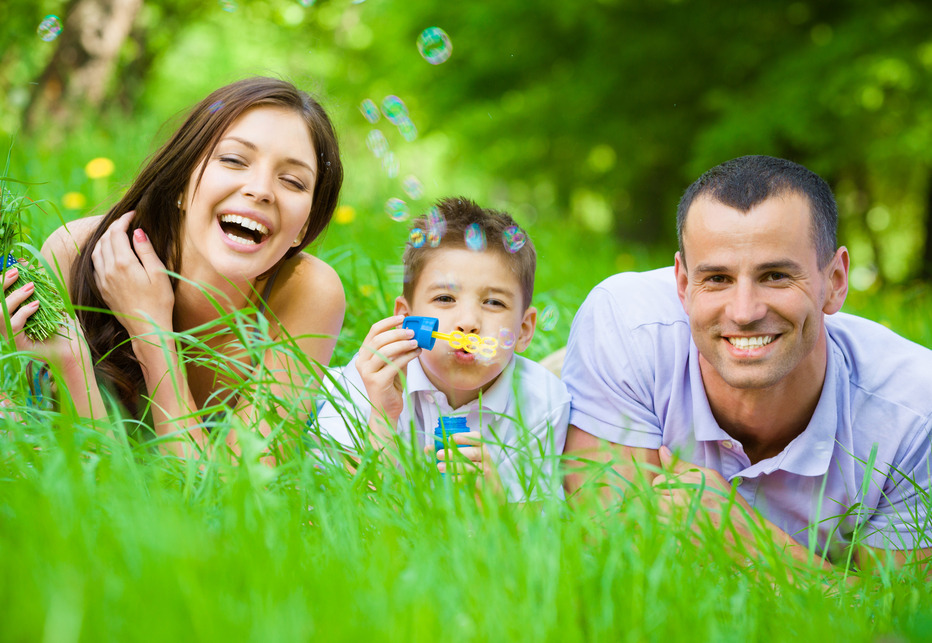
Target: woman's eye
[231,160]
[298,185]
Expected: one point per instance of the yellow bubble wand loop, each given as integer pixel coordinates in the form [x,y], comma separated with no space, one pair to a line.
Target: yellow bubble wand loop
[469,342]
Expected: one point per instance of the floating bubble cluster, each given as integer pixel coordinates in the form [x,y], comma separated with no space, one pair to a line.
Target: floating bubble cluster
[370,110]
[396,209]
[215,107]
[548,318]
[49,29]
[434,45]
[413,187]
[390,165]
[394,109]
[435,221]
[506,338]
[377,143]
[513,238]
[417,237]
[407,129]
[475,237]
[433,238]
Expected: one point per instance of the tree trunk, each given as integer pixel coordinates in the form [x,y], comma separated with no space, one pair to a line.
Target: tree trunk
[77,75]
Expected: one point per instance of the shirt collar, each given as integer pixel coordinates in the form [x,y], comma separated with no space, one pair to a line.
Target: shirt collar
[495,399]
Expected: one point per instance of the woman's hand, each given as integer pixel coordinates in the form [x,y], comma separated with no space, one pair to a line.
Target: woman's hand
[15,309]
[132,279]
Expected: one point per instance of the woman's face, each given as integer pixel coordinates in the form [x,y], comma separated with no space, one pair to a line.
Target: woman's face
[253,201]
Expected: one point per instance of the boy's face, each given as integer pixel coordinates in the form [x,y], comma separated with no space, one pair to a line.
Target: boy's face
[470,292]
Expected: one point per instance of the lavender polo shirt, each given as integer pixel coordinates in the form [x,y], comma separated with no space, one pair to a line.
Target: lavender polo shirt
[632,370]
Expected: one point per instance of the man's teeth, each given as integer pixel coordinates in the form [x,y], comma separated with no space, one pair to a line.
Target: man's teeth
[249,224]
[745,343]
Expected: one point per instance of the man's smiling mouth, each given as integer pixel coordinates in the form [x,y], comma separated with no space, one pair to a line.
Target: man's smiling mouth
[745,343]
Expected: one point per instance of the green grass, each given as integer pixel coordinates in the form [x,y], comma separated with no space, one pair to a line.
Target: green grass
[103,537]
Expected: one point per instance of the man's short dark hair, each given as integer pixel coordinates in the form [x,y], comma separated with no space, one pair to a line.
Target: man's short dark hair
[747,181]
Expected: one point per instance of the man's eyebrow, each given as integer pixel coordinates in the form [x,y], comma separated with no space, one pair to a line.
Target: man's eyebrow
[779,264]
[253,147]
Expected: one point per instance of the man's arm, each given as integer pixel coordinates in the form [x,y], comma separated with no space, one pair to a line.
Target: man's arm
[596,467]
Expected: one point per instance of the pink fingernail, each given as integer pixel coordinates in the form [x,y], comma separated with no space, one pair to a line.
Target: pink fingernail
[12,272]
[139,235]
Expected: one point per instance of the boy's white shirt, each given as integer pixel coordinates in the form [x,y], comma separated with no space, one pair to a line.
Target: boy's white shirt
[523,420]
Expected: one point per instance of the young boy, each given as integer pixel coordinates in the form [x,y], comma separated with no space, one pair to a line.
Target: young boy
[516,411]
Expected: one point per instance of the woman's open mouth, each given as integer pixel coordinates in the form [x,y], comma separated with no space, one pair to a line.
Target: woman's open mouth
[243,230]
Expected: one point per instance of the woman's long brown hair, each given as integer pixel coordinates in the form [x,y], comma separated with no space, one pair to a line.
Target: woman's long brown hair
[154,194]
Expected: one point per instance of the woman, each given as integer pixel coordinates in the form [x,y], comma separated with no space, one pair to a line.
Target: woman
[213,225]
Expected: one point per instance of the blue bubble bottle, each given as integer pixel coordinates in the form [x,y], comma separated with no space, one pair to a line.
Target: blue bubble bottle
[447,426]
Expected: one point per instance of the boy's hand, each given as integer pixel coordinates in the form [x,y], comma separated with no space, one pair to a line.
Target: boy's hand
[383,358]
[472,458]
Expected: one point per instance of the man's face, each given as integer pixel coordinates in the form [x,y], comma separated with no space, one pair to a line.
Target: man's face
[755,296]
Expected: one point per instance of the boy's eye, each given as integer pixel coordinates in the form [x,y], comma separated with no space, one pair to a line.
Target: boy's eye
[495,302]
[446,299]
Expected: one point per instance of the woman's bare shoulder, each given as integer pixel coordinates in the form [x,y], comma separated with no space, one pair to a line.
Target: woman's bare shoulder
[308,286]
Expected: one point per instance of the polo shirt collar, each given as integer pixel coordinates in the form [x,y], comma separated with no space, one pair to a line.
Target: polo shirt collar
[810,453]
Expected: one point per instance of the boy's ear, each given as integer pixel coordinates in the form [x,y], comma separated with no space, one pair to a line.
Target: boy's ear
[528,324]
[401,306]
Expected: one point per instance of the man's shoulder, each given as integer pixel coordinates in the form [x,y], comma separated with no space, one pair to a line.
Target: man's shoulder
[881,363]
[641,297]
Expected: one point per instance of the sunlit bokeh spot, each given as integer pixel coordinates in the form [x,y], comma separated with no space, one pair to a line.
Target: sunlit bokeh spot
[99,168]
[396,209]
[434,45]
[74,200]
[345,214]
[513,238]
[413,187]
[49,29]
[370,110]
[377,143]
[548,318]
[475,237]
[417,237]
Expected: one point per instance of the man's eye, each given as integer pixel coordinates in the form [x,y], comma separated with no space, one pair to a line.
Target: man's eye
[717,279]
[777,276]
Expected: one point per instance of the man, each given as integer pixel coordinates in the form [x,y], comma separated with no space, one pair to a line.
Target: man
[737,361]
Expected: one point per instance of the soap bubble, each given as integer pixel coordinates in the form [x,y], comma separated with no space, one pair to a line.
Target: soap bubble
[377,143]
[228,5]
[306,3]
[434,45]
[436,221]
[49,29]
[390,165]
[370,110]
[407,129]
[548,318]
[506,338]
[433,237]
[396,209]
[475,237]
[417,237]
[514,238]
[394,109]
[413,187]
[214,108]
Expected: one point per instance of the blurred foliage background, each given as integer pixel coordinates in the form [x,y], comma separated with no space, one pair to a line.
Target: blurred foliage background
[586,120]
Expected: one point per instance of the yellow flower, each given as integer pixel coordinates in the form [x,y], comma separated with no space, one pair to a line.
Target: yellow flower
[74,200]
[99,168]
[345,214]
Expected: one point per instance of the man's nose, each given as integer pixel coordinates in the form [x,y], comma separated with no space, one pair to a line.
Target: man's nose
[747,304]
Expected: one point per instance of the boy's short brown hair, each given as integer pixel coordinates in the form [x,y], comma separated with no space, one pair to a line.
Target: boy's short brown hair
[458,214]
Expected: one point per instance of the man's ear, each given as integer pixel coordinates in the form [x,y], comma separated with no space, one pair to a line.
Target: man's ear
[401,306]
[682,278]
[836,274]
[526,333]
